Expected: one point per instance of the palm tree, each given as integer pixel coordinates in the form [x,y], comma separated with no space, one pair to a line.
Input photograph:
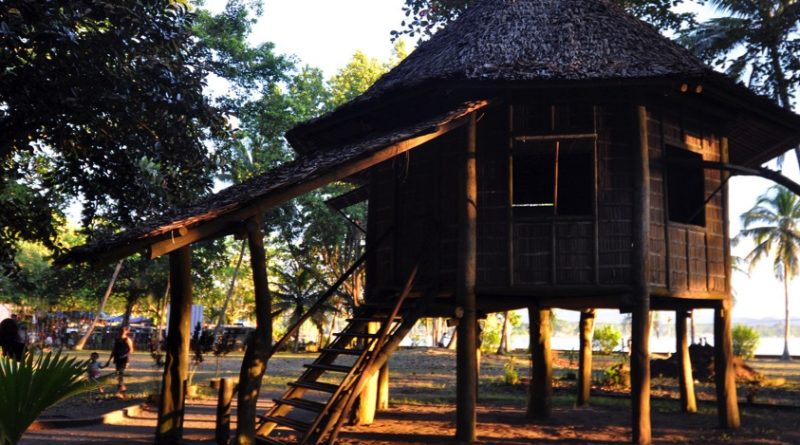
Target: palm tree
[774,224]
[755,42]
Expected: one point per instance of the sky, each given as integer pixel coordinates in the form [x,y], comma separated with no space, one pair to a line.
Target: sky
[325,34]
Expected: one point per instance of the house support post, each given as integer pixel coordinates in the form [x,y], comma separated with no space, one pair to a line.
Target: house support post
[383,388]
[585,359]
[725,375]
[368,398]
[685,377]
[640,301]
[222,432]
[254,363]
[466,357]
[540,391]
[169,427]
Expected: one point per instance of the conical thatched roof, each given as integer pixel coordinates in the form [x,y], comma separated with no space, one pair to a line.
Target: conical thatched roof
[522,40]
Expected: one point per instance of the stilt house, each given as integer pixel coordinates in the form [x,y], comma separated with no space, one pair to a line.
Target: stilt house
[532,154]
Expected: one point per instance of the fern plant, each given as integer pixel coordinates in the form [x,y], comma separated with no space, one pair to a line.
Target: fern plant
[30,386]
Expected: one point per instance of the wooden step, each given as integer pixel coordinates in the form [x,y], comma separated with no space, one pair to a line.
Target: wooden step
[357,335]
[308,405]
[334,368]
[342,351]
[294,424]
[261,440]
[316,386]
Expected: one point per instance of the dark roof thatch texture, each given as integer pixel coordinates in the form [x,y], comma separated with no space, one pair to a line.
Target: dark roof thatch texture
[522,40]
[533,40]
[286,180]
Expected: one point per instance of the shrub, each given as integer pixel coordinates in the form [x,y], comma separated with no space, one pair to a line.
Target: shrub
[606,339]
[510,373]
[745,341]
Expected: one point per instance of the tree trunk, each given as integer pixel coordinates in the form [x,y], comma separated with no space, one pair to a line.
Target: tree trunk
[254,363]
[503,348]
[786,356]
[82,342]
[585,358]
[221,319]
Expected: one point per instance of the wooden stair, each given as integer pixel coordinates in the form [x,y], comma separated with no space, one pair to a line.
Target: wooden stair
[355,354]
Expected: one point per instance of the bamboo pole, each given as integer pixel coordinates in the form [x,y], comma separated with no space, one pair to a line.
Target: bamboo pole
[466,357]
[169,427]
[255,359]
[585,359]
[82,342]
[640,345]
[725,375]
[540,399]
[685,378]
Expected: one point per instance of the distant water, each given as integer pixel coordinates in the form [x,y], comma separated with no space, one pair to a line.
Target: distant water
[767,346]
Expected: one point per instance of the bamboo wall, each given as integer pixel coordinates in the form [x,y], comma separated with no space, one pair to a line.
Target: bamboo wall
[416,193]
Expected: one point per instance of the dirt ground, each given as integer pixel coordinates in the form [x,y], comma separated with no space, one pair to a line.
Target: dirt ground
[422,411]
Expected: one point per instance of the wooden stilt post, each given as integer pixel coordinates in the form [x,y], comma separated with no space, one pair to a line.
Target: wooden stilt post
[383,388]
[540,399]
[222,432]
[585,359]
[368,399]
[466,358]
[169,427]
[254,363]
[725,375]
[640,301]
[685,378]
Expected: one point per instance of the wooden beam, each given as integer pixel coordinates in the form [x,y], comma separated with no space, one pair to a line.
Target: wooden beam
[685,378]
[740,170]
[222,432]
[586,330]
[169,426]
[540,399]
[725,375]
[212,228]
[257,353]
[383,388]
[466,357]
[640,348]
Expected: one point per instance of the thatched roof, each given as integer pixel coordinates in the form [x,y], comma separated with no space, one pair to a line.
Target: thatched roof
[545,42]
[241,201]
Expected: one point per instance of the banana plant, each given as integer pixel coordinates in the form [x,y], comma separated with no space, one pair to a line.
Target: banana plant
[30,386]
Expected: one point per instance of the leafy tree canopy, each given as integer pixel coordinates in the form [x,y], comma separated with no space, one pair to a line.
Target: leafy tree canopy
[102,102]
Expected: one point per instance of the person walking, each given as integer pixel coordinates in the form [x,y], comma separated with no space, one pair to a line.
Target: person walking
[120,353]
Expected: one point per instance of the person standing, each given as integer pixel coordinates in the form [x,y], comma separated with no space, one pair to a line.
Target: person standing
[9,340]
[120,353]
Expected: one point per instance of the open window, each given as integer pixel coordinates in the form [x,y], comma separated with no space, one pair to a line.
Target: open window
[553,177]
[685,187]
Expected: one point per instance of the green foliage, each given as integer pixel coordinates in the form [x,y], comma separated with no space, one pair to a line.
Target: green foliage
[756,42]
[745,341]
[606,338]
[510,372]
[120,124]
[617,375]
[29,387]
[425,17]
